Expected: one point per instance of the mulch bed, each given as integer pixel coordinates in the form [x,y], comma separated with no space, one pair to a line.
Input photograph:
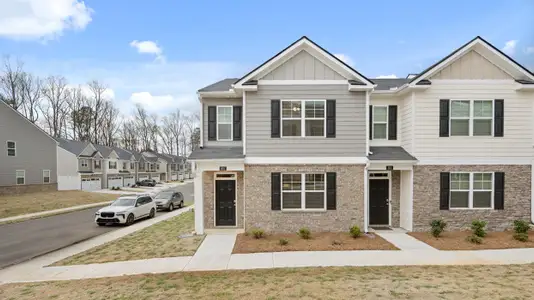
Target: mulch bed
[455,240]
[323,241]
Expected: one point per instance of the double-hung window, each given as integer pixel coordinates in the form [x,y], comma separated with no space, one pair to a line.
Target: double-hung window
[132,165]
[46,176]
[471,118]
[11,148]
[83,163]
[310,122]
[224,123]
[20,176]
[471,190]
[380,122]
[112,165]
[303,191]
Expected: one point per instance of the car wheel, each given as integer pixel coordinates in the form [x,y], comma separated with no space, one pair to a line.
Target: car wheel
[130,220]
[171,207]
[101,224]
[152,213]
[181,204]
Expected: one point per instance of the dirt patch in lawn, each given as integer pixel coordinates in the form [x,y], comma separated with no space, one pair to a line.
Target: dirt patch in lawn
[417,282]
[323,241]
[158,240]
[28,203]
[455,240]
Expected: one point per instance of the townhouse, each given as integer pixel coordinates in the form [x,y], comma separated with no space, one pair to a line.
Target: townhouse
[28,161]
[305,140]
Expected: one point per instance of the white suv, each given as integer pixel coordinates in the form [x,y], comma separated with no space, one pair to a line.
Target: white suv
[126,210]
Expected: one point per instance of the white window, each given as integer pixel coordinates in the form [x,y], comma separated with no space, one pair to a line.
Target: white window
[132,165]
[46,176]
[224,123]
[112,165]
[303,191]
[11,148]
[309,123]
[471,190]
[97,164]
[471,118]
[83,163]
[20,177]
[380,122]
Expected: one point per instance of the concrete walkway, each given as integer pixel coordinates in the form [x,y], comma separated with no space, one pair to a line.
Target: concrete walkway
[213,254]
[404,242]
[53,212]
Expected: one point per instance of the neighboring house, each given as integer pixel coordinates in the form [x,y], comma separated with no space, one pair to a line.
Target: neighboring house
[141,166]
[126,166]
[158,165]
[80,166]
[28,161]
[305,140]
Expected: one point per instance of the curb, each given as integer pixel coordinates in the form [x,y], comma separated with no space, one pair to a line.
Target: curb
[53,212]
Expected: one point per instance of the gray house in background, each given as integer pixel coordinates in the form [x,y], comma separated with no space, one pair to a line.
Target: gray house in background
[28,159]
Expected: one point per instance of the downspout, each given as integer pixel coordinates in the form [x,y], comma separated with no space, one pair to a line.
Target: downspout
[532,192]
[366,197]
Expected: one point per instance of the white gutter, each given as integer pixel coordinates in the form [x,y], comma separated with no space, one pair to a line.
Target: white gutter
[532,192]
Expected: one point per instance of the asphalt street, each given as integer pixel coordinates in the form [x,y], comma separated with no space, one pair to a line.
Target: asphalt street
[25,240]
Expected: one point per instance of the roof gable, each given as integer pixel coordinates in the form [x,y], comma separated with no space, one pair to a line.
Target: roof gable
[311,48]
[488,52]
[10,108]
[472,65]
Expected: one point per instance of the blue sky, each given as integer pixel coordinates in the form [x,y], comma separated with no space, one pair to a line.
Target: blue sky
[160,52]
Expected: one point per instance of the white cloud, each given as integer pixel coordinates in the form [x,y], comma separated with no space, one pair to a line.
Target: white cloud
[529,50]
[392,76]
[148,47]
[345,58]
[509,47]
[47,19]
[108,94]
[152,103]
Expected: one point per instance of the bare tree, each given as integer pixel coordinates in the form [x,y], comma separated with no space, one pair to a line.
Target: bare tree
[110,124]
[129,136]
[54,107]
[97,105]
[30,94]
[142,122]
[154,132]
[80,114]
[166,134]
[10,83]
[191,122]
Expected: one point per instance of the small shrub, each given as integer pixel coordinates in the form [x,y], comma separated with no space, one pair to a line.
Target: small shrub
[258,233]
[479,228]
[304,233]
[337,243]
[437,227]
[283,242]
[475,239]
[355,231]
[522,237]
[521,226]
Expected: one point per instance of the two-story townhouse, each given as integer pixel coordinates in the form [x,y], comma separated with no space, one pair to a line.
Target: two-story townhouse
[80,166]
[158,165]
[111,167]
[126,166]
[28,161]
[304,140]
[140,171]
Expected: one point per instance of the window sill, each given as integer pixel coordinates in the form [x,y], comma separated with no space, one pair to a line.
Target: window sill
[304,210]
[467,208]
[303,137]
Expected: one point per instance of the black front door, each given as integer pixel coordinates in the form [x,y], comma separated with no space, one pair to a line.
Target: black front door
[225,202]
[378,200]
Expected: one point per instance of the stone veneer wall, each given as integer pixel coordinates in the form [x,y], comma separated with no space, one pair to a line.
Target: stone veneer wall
[517,186]
[395,198]
[209,200]
[350,200]
[28,188]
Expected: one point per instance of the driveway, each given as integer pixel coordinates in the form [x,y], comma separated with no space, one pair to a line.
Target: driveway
[25,240]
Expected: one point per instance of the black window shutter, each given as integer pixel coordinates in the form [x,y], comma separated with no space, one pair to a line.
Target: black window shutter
[370,122]
[275,191]
[392,122]
[237,122]
[212,123]
[275,118]
[498,124]
[331,186]
[499,190]
[330,118]
[444,189]
[444,117]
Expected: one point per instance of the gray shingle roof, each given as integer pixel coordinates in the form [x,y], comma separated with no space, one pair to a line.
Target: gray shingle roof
[104,150]
[390,153]
[385,84]
[75,147]
[122,153]
[219,86]
[217,153]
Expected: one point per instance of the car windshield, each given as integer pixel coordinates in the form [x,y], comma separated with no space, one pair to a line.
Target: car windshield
[124,202]
[164,195]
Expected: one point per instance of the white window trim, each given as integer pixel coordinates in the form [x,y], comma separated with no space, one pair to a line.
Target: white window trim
[302,193]
[83,163]
[471,190]
[386,122]
[231,123]
[17,177]
[302,118]
[7,148]
[471,119]
[49,173]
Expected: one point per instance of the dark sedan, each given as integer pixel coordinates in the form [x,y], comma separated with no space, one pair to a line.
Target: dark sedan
[147,182]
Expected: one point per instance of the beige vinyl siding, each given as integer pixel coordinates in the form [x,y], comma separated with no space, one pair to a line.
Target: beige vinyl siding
[518,126]
[215,102]
[303,66]
[406,111]
[68,163]
[471,65]
[350,140]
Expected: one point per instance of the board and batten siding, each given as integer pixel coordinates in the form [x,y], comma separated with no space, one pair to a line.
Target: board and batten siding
[471,65]
[303,66]
[517,142]
[214,102]
[350,140]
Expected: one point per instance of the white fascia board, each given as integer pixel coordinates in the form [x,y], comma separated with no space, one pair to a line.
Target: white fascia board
[302,82]
[305,160]
[353,88]
[218,94]
[524,87]
[475,161]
